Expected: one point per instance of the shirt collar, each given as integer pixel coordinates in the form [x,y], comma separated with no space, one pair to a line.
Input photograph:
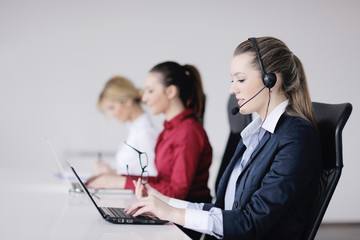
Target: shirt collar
[269,123]
[273,118]
[178,119]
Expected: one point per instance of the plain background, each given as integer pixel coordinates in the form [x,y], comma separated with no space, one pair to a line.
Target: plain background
[55,57]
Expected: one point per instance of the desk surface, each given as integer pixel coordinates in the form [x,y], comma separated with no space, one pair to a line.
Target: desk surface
[39,206]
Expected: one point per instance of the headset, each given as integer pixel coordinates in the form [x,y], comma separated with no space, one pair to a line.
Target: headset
[269,79]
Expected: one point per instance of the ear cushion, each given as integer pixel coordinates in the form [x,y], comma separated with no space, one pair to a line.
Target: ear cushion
[269,80]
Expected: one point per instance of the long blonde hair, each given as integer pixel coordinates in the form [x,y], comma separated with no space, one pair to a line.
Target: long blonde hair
[119,88]
[277,57]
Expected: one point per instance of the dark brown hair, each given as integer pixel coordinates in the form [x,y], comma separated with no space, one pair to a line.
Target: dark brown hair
[188,80]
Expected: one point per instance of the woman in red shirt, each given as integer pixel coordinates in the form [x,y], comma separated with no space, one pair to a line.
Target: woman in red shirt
[183,153]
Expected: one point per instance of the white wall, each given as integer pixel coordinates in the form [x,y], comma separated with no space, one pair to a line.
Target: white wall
[56,55]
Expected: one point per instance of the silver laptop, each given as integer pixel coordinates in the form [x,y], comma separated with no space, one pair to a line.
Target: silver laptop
[117,215]
[74,186]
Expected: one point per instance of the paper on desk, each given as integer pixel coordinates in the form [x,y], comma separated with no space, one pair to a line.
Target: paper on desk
[69,175]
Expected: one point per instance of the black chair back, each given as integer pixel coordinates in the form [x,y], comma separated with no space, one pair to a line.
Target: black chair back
[331,119]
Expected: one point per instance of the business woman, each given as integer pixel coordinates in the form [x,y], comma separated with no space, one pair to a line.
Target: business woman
[268,188]
[183,152]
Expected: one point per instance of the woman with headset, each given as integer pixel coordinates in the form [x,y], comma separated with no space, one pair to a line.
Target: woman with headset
[268,188]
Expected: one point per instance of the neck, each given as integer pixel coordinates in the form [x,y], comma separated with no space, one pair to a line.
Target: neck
[276,99]
[176,107]
[136,112]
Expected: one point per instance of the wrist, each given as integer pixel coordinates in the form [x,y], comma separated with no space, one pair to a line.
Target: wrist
[163,198]
[178,216]
[121,182]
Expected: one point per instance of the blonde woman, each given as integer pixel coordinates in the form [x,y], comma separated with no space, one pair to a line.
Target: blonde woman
[121,100]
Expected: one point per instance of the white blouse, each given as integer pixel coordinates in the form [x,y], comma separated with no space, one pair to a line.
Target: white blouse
[142,136]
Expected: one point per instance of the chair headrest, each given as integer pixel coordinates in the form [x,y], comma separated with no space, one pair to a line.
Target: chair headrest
[238,121]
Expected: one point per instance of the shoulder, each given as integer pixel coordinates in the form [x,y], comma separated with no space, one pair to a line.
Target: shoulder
[290,128]
[145,121]
[143,127]
[190,132]
[192,126]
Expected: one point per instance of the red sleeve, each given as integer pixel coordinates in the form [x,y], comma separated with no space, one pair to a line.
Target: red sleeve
[129,184]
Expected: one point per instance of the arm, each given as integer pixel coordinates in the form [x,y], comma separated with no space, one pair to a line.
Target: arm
[209,222]
[106,181]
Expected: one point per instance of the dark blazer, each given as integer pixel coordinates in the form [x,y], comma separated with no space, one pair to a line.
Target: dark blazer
[275,191]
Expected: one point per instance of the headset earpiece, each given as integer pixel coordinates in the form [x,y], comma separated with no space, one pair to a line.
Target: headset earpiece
[269,79]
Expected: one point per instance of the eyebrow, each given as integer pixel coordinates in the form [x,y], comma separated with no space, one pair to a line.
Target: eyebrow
[237,73]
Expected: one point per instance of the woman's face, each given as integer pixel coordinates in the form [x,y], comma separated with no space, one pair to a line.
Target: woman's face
[117,109]
[246,82]
[155,93]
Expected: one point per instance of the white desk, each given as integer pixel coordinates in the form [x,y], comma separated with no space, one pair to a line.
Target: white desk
[38,206]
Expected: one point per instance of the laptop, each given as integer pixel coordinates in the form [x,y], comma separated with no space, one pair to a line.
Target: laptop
[74,186]
[117,215]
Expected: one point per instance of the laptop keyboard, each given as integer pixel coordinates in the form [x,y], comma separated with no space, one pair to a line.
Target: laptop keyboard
[119,212]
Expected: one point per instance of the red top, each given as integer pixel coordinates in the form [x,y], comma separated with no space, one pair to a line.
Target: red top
[182,157]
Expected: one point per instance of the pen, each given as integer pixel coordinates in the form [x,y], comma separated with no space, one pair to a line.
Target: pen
[100,157]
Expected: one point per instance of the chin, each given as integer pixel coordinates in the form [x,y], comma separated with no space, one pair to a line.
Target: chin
[243,111]
[154,111]
[122,120]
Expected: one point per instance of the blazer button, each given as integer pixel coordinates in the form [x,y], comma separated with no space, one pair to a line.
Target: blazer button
[236,204]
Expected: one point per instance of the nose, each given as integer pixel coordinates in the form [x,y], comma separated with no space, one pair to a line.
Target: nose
[233,89]
[111,113]
[144,98]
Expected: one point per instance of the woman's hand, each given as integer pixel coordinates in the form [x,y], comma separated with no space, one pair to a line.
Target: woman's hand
[106,181]
[144,190]
[153,207]
[102,168]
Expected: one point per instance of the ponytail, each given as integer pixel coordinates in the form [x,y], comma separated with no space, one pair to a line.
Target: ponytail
[196,100]
[188,81]
[298,94]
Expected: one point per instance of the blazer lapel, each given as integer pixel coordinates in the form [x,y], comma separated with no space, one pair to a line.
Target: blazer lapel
[226,175]
[261,145]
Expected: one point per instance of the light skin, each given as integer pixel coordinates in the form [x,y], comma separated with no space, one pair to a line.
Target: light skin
[161,99]
[246,82]
[104,176]
[154,204]
[123,111]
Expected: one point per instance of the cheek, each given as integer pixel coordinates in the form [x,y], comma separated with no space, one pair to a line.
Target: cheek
[160,104]
[157,99]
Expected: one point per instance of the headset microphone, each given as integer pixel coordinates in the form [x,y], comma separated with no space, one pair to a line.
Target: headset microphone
[235,110]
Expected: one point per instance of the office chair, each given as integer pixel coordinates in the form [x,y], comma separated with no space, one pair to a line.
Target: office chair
[237,123]
[331,119]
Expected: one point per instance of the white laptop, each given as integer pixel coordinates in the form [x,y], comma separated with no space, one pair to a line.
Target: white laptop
[74,185]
